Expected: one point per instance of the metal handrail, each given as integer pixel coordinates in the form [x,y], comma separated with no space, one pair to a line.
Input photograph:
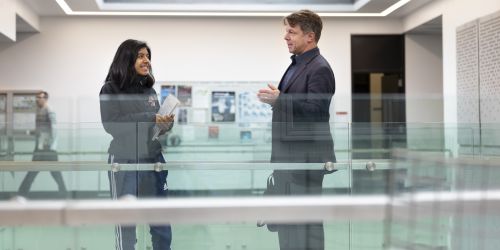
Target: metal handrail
[450,162]
[129,210]
[181,165]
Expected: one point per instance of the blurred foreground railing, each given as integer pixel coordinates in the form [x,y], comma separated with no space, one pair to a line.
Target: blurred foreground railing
[129,210]
[432,201]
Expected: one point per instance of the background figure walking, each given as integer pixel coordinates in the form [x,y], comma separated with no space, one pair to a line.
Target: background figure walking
[45,144]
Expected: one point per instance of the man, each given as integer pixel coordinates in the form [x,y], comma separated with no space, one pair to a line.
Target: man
[300,128]
[44,143]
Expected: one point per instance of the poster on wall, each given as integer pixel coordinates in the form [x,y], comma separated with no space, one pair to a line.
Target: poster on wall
[246,136]
[251,110]
[223,106]
[24,115]
[24,103]
[213,132]
[201,97]
[184,95]
[182,117]
[166,90]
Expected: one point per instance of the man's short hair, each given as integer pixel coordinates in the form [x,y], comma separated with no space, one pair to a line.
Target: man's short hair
[307,20]
[44,93]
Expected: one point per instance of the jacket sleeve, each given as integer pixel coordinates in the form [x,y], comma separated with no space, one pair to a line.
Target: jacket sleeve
[304,115]
[313,105]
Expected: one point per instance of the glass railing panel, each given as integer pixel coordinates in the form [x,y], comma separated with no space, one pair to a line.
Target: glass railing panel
[489,140]
[82,159]
[233,166]
[234,160]
[448,204]
[184,236]
[82,142]
[376,140]
[409,221]
[369,178]
[230,167]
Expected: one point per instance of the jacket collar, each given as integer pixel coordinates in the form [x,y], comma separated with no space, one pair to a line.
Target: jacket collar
[302,61]
[307,56]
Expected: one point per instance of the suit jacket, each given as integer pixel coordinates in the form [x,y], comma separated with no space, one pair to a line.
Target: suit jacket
[300,124]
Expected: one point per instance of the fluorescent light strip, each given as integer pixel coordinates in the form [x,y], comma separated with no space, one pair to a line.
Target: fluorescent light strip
[360,3]
[65,7]
[394,7]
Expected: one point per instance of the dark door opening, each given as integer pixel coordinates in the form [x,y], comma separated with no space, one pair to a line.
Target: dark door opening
[378,95]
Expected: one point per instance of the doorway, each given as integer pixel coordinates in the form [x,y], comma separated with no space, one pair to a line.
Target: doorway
[378,95]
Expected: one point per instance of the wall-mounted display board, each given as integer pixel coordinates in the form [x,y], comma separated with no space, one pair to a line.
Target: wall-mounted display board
[184,94]
[166,90]
[250,109]
[223,106]
[17,119]
[215,102]
[24,111]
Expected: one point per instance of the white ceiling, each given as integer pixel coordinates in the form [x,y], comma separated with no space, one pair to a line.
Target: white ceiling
[223,7]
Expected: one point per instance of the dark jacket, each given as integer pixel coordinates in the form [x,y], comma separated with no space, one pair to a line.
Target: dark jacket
[128,115]
[300,128]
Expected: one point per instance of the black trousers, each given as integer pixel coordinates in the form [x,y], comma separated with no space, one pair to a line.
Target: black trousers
[308,236]
[140,184]
[42,155]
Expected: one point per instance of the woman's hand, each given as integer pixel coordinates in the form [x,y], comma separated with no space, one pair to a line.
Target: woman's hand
[165,122]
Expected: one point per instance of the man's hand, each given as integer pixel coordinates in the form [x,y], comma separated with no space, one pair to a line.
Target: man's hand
[269,95]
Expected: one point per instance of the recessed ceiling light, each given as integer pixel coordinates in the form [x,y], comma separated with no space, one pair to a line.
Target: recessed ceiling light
[65,7]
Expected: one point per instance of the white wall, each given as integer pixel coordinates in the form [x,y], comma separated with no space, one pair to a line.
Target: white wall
[424,91]
[71,55]
[455,13]
[424,78]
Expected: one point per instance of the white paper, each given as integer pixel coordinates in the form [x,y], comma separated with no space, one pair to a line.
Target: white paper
[201,97]
[199,116]
[169,105]
[167,108]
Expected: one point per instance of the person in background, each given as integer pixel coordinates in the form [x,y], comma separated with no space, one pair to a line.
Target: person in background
[129,107]
[300,125]
[45,144]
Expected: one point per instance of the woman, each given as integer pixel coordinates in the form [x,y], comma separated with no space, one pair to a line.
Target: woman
[128,112]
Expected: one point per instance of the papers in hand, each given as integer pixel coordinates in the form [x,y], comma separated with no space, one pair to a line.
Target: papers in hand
[167,108]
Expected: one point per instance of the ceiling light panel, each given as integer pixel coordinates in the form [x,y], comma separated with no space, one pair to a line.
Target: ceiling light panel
[227,7]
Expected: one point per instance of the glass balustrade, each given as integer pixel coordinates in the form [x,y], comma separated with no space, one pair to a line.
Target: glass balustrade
[232,161]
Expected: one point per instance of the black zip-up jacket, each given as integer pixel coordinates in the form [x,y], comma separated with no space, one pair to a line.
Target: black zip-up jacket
[128,115]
